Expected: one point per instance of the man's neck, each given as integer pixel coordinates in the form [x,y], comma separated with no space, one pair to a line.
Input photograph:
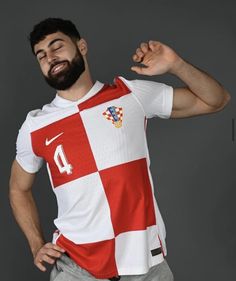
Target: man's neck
[79,89]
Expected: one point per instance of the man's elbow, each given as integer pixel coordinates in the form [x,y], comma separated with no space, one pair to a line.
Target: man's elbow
[227,98]
[224,101]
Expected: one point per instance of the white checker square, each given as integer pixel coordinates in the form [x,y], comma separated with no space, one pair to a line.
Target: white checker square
[128,254]
[133,248]
[83,210]
[112,146]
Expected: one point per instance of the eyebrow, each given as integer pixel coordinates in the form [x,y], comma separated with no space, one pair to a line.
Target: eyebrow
[50,44]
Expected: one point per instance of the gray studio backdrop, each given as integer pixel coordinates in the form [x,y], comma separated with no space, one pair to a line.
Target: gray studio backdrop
[192,160]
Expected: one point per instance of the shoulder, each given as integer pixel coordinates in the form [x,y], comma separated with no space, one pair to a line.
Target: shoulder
[139,84]
[45,109]
[155,98]
[36,115]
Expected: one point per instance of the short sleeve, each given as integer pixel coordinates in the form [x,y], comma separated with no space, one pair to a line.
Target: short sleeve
[155,98]
[24,152]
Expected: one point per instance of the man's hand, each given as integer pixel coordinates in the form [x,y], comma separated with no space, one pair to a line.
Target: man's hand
[48,253]
[156,58]
[202,94]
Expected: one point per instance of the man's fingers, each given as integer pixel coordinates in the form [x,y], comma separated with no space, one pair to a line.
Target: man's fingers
[144,47]
[53,253]
[39,261]
[39,264]
[46,258]
[139,52]
[154,45]
[48,253]
[135,58]
[138,56]
[137,69]
[55,247]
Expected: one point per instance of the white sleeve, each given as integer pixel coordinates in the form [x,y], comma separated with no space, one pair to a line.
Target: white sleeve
[24,152]
[155,98]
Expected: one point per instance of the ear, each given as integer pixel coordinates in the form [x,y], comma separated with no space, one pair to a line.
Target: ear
[83,47]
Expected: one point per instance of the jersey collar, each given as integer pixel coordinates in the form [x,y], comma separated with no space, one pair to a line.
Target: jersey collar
[61,102]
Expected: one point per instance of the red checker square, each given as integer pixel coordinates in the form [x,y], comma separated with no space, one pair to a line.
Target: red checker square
[107,93]
[70,136]
[98,257]
[129,194]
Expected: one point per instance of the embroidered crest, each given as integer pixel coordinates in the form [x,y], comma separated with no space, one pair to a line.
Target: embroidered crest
[115,114]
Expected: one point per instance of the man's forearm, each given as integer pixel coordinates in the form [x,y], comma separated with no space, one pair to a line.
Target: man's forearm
[26,215]
[200,83]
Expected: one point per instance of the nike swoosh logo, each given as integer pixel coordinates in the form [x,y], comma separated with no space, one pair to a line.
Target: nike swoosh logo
[49,141]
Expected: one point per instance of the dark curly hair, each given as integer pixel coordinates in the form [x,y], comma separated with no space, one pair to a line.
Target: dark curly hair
[52,25]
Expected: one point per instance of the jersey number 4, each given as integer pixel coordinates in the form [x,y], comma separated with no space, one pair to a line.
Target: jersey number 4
[61,161]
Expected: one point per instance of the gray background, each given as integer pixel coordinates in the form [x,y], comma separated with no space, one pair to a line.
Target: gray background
[192,160]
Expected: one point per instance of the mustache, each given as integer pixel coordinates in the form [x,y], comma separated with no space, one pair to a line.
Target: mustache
[56,63]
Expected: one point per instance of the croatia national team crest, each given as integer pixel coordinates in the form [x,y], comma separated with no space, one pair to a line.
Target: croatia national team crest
[115,114]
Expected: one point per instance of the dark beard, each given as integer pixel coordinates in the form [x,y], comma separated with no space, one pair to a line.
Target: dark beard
[68,76]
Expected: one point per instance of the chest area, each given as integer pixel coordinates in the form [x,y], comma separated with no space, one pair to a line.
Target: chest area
[105,121]
[92,139]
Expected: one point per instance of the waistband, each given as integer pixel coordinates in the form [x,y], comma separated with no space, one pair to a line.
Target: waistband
[114,278]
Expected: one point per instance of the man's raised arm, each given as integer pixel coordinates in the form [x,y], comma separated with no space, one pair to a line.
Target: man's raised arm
[202,95]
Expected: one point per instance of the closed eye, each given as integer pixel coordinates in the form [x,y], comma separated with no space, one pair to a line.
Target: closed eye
[41,57]
[57,48]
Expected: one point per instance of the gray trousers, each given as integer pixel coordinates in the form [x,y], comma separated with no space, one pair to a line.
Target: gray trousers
[67,270]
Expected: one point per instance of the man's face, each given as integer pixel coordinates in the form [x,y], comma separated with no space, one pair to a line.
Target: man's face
[60,60]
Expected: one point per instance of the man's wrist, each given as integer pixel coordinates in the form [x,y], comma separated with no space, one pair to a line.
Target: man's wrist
[177,66]
[36,246]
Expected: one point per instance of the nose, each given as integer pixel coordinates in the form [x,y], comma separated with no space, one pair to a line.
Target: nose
[51,58]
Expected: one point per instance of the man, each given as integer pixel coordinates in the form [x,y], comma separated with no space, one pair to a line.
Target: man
[92,137]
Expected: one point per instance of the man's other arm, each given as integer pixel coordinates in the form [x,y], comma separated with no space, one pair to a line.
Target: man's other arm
[26,215]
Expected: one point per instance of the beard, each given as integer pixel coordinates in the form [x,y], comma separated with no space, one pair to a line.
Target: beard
[69,75]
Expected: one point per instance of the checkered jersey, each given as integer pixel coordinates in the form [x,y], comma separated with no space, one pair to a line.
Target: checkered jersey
[98,163]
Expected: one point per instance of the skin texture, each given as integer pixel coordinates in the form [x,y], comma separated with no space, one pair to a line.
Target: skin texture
[202,95]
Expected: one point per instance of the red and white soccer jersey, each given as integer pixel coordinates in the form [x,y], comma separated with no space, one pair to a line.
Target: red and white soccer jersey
[98,163]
